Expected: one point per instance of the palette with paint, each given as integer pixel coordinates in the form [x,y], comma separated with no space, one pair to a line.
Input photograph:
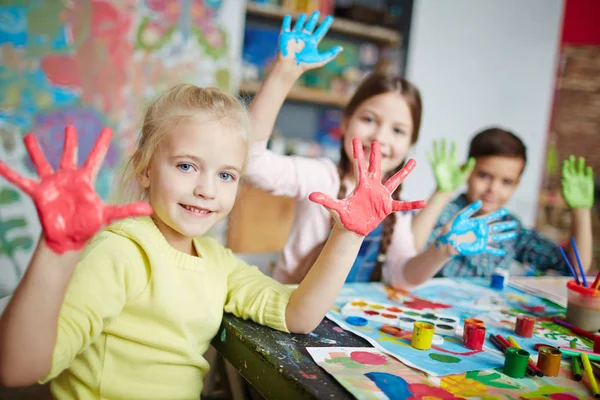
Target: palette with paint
[401,317]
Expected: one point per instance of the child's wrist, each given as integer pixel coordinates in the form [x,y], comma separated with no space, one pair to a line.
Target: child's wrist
[285,73]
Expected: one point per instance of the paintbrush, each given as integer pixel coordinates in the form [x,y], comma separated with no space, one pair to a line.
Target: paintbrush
[569,265]
[579,262]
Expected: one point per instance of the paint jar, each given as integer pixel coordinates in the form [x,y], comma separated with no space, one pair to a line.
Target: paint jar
[583,307]
[422,335]
[549,360]
[499,279]
[469,321]
[474,336]
[515,363]
[524,326]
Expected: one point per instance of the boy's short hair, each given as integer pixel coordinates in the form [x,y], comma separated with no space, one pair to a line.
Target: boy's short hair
[495,141]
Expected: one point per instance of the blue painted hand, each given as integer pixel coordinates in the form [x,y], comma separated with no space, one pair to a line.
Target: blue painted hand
[467,236]
[302,42]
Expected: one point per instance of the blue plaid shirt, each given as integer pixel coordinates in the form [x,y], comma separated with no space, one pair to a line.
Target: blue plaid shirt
[531,248]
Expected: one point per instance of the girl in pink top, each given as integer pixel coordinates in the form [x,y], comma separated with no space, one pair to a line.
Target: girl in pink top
[384,108]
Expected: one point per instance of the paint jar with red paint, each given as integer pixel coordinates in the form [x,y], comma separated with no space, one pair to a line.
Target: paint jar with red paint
[583,307]
[524,326]
[474,336]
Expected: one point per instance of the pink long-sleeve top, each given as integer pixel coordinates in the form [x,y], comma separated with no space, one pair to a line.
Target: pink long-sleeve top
[297,177]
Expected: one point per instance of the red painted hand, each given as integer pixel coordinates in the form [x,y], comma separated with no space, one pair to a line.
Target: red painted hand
[69,209]
[371,201]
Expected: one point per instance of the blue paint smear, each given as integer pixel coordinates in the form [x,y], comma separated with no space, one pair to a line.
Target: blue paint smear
[394,387]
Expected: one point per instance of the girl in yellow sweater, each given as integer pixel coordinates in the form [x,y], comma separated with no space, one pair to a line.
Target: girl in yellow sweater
[128,311]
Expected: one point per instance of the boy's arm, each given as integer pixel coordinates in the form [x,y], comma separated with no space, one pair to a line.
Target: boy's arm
[578,192]
[425,220]
[297,53]
[449,176]
[463,235]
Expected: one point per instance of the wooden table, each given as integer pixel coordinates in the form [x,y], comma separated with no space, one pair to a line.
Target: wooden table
[277,364]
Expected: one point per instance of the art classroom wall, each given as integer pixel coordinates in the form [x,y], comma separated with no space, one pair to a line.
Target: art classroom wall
[91,64]
[480,63]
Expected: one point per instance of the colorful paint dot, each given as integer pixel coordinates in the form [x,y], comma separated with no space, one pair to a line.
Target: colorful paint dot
[359,303]
[444,326]
[444,358]
[394,309]
[429,316]
[411,313]
[376,307]
[388,315]
[371,312]
[392,330]
[366,358]
[406,319]
[356,321]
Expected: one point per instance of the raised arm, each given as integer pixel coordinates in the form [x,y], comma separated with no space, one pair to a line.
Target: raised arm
[355,217]
[463,235]
[578,192]
[70,212]
[449,176]
[297,53]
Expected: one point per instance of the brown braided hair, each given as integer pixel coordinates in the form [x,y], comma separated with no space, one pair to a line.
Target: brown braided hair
[374,84]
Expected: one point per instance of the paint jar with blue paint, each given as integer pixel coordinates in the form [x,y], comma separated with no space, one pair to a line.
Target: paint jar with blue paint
[499,279]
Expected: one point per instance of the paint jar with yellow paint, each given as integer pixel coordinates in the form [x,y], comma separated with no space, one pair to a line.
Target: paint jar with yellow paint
[422,335]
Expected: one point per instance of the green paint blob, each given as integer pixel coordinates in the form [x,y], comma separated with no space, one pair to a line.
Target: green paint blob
[345,361]
[411,313]
[444,358]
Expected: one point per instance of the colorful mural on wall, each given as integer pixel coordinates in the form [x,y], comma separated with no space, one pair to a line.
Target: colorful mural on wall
[91,64]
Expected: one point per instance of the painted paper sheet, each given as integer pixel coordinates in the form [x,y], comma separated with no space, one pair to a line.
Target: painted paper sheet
[434,302]
[370,374]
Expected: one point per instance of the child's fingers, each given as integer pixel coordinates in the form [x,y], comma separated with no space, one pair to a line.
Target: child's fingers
[312,22]
[566,172]
[25,184]
[323,58]
[501,237]
[37,157]
[589,173]
[453,152]
[299,27]
[323,28]
[496,215]
[286,24]
[392,184]
[139,209]
[436,151]
[468,168]
[503,226]
[359,157]
[69,156]
[375,161]
[581,166]
[443,149]
[495,252]
[408,205]
[325,201]
[96,157]
[469,210]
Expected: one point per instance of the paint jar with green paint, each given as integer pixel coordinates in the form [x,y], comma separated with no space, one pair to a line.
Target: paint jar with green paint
[515,364]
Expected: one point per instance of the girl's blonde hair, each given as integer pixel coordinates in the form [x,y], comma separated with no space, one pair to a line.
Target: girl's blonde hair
[181,103]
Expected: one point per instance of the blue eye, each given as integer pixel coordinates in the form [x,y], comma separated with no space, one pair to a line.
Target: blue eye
[185,167]
[226,176]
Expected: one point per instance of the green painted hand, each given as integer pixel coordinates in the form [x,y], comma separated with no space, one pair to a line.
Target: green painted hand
[577,183]
[448,174]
